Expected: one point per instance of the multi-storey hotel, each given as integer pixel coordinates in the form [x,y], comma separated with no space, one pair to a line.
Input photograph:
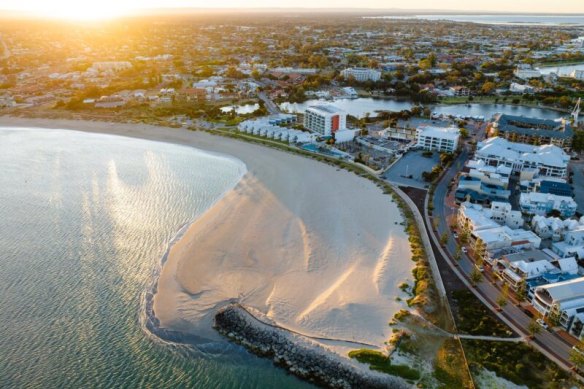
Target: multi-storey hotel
[325,119]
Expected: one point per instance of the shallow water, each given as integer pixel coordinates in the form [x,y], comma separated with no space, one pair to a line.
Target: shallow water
[84,221]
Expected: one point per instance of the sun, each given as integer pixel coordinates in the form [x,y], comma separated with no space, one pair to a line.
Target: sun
[81,10]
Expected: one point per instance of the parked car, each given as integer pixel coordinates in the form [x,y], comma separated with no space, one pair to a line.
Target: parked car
[479,267]
[455,235]
[528,312]
[542,323]
[464,250]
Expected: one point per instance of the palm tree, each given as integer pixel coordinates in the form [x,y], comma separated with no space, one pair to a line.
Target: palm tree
[577,355]
[503,297]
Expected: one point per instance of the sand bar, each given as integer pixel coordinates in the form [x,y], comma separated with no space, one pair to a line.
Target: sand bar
[317,249]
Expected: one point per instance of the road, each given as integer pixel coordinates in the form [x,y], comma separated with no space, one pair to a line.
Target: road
[270,105]
[551,344]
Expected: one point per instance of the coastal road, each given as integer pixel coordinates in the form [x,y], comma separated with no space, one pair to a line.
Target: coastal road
[270,105]
[488,291]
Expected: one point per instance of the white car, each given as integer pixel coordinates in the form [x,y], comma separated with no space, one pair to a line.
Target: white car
[464,250]
[542,323]
[455,235]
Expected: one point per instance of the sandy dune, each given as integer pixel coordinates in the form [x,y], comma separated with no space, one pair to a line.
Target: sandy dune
[316,249]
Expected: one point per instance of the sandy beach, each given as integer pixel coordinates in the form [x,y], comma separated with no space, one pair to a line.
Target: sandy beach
[317,249]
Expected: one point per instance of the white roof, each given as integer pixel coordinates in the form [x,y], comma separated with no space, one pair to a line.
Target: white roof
[451,133]
[565,290]
[568,265]
[549,155]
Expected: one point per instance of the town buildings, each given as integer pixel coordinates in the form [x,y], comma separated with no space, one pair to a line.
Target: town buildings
[534,203]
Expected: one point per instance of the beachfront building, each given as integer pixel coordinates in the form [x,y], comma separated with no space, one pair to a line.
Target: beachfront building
[361,74]
[442,139]
[522,89]
[563,300]
[533,131]
[325,119]
[546,160]
[534,203]
[273,127]
[578,75]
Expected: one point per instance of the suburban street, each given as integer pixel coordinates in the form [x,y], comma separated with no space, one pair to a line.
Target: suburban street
[548,342]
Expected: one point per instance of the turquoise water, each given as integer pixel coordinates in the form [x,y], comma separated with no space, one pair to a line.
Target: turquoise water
[84,221]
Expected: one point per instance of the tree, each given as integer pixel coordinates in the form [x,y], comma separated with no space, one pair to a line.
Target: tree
[476,277]
[464,132]
[488,87]
[521,292]
[533,328]
[444,239]
[504,296]
[577,355]
[458,253]
[554,315]
[480,248]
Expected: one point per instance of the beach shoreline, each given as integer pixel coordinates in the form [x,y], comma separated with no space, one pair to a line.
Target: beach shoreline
[373,255]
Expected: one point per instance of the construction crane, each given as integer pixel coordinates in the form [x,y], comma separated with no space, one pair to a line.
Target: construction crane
[576,112]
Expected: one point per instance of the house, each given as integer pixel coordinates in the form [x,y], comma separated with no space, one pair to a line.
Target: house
[534,203]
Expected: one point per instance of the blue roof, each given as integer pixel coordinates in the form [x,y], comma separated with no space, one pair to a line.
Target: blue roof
[557,188]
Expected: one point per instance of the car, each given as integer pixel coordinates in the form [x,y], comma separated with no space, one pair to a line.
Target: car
[479,267]
[455,235]
[528,312]
[464,250]
[542,323]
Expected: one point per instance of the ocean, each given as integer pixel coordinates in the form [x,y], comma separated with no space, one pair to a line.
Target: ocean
[84,222]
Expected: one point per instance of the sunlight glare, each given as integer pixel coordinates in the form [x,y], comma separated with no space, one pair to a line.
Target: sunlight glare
[81,10]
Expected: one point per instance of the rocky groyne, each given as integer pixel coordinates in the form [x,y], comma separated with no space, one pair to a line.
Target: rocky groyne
[300,356]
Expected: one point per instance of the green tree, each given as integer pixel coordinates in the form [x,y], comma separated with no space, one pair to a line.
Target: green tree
[533,328]
[504,296]
[521,292]
[475,277]
[577,355]
[444,239]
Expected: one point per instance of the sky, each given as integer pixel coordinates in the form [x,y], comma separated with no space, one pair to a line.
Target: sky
[104,8]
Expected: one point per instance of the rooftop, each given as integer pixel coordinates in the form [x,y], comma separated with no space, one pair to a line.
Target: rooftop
[531,126]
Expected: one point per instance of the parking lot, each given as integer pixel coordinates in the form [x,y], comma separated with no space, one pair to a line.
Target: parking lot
[408,170]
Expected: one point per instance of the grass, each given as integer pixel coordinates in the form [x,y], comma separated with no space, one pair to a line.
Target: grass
[516,362]
[380,362]
[472,317]
[447,366]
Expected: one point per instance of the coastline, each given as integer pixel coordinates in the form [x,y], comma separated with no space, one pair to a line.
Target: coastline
[232,148]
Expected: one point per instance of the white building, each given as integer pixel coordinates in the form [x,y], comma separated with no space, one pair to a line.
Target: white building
[564,299]
[504,237]
[438,138]
[518,88]
[325,119]
[578,75]
[572,245]
[111,66]
[473,217]
[270,127]
[550,160]
[361,74]
[526,72]
[535,203]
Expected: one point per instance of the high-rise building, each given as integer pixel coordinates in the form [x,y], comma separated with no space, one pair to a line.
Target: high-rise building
[325,119]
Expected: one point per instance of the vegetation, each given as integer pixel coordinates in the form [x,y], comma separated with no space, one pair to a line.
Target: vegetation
[516,362]
[447,366]
[380,362]
[474,318]
[533,328]
[475,277]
